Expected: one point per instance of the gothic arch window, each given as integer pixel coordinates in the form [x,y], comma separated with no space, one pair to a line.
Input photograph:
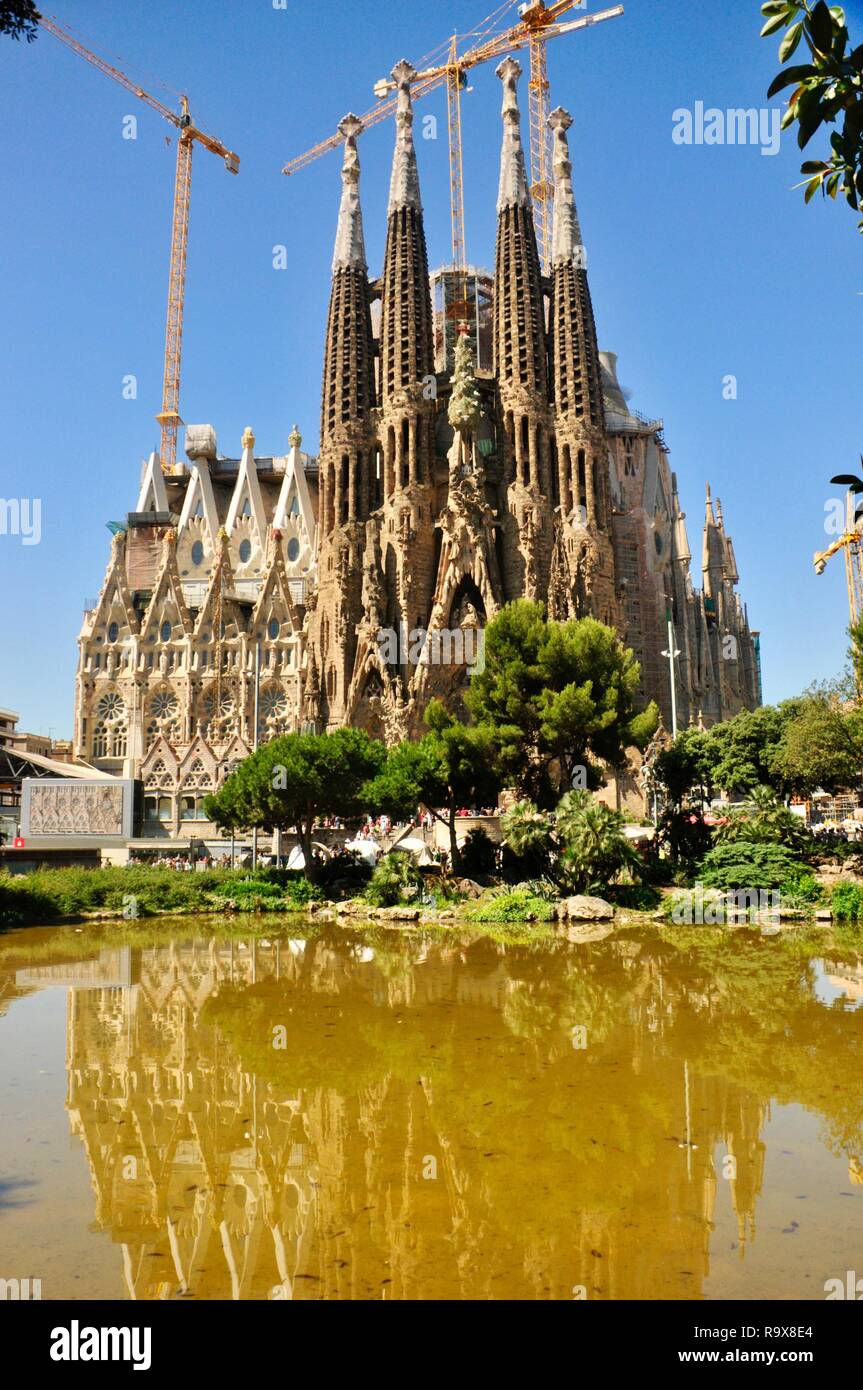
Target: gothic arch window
[111,727]
[163,713]
[159,776]
[274,711]
[215,724]
[198,777]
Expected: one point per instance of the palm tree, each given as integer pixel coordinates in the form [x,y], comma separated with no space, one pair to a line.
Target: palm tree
[593,846]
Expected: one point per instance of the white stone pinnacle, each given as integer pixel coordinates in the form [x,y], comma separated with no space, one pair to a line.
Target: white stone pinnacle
[350,248]
[566,241]
[513,190]
[404,182]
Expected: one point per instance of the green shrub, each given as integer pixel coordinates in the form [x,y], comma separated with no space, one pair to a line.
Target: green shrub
[18,905]
[800,888]
[743,864]
[846,901]
[638,897]
[764,819]
[396,880]
[594,847]
[519,905]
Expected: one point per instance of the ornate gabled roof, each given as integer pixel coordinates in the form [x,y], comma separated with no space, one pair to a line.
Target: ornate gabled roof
[152,494]
[248,489]
[167,585]
[276,581]
[295,484]
[350,248]
[200,492]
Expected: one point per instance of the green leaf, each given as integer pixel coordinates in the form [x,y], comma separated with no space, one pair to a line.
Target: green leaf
[821,27]
[777,22]
[789,75]
[812,188]
[790,42]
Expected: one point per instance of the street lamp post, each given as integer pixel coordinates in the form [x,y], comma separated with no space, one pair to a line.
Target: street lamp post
[672,653]
[255,741]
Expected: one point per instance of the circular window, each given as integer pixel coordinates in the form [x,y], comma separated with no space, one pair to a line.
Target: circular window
[293,548]
[165,632]
[273,629]
[245,551]
[197,552]
[113,632]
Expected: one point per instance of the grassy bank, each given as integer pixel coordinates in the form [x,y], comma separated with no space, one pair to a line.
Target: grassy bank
[56,895]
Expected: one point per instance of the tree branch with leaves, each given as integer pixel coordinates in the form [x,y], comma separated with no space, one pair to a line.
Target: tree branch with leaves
[827,90]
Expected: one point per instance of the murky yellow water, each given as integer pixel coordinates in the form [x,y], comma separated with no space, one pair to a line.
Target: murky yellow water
[655,1115]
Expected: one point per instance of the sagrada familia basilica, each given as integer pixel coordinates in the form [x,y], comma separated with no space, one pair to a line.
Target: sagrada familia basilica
[469,456]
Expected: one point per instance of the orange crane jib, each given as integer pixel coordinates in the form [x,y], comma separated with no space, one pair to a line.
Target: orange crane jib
[169,416]
[537,23]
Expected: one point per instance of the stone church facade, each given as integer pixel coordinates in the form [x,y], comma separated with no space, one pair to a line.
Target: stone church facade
[435,499]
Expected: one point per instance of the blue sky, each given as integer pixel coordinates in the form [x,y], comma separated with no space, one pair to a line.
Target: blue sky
[703,263]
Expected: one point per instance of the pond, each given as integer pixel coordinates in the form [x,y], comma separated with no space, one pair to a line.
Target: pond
[203,1111]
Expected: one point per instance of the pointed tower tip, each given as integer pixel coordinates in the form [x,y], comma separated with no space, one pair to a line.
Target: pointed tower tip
[350,248]
[350,126]
[509,70]
[248,440]
[566,244]
[295,439]
[404,181]
[513,189]
[403,73]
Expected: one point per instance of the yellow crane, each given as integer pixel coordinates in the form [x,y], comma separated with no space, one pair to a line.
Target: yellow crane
[537,23]
[169,416]
[851,544]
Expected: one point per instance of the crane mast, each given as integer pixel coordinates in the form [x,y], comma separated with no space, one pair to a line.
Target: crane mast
[169,415]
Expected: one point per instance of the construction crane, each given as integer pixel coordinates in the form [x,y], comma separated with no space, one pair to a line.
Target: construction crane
[537,24]
[851,544]
[169,416]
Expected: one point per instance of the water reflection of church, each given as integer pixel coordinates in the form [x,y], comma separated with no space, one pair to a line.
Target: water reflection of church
[227,1168]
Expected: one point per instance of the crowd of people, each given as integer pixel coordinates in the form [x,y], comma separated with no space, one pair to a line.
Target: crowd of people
[374,829]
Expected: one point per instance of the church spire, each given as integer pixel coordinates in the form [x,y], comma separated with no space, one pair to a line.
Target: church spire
[349,389]
[404,180]
[350,248]
[682,551]
[519,317]
[513,189]
[577,381]
[712,550]
[406,347]
[566,242]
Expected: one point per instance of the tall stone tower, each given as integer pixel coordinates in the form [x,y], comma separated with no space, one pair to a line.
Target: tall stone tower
[521,367]
[402,539]
[583,563]
[348,465]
